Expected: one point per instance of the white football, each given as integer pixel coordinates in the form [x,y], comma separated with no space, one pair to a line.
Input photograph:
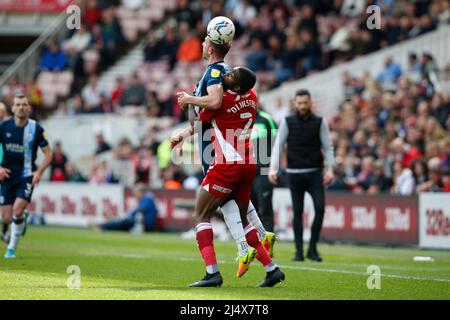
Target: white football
[220,30]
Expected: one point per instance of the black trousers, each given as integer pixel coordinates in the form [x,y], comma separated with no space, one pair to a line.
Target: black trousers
[299,183]
[261,198]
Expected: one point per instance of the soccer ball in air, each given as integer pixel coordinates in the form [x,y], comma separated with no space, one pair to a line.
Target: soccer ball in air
[220,30]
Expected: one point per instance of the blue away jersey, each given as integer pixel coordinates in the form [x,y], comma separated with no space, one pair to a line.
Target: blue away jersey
[213,75]
[20,146]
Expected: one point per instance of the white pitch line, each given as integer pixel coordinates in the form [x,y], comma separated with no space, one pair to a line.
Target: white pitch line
[395,276]
[365,274]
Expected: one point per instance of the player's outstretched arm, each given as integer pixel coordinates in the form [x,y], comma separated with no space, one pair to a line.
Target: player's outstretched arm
[48,155]
[212,101]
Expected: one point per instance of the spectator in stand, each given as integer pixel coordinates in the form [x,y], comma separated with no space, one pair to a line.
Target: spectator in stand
[367,176]
[282,110]
[135,94]
[102,145]
[8,91]
[101,173]
[414,68]
[168,45]
[308,19]
[112,37]
[172,178]
[403,180]
[310,51]
[152,47]
[53,59]
[93,95]
[190,49]
[117,92]
[146,207]
[92,14]
[124,150]
[257,59]
[446,181]
[420,171]
[58,164]
[434,184]
[75,105]
[388,77]
[75,46]
[143,164]
[379,183]
[73,174]
[184,14]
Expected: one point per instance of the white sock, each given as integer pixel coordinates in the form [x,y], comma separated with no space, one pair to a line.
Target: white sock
[212,268]
[270,267]
[233,220]
[16,231]
[253,218]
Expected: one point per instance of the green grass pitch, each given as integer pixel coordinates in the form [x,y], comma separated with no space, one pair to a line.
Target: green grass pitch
[160,266]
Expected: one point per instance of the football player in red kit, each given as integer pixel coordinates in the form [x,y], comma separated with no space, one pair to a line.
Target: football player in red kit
[231,174]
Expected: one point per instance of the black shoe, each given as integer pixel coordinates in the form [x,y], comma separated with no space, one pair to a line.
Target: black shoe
[272,278]
[314,256]
[209,280]
[298,257]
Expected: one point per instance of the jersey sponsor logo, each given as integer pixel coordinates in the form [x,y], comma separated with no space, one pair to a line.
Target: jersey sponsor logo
[221,189]
[8,135]
[14,147]
[215,73]
[45,136]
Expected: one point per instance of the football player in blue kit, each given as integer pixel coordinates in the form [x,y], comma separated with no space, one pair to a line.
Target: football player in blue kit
[20,137]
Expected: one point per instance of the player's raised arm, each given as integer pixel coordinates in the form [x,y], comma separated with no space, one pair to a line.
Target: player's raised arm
[212,101]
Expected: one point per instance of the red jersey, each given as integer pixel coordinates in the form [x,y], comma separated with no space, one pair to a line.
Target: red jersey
[232,126]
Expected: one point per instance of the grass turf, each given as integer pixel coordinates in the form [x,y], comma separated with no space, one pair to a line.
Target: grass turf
[160,266]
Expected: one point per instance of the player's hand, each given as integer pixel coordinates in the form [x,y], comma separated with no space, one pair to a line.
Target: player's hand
[36,178]
[328,177]
[4,173]
[183,99]
[175,140]
[273,177]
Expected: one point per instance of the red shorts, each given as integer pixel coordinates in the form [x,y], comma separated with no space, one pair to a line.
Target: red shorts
[225,180]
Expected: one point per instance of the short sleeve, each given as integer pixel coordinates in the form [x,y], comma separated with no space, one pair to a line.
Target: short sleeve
[41,137]
[214,77]
[207,115]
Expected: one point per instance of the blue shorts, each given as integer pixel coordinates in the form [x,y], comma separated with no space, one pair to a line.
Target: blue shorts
[15,188]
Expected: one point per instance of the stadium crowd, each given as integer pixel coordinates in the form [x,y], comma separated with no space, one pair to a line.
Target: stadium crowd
[392,132]
[283,40]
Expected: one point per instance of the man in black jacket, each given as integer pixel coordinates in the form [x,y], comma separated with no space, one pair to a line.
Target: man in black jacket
[310,159]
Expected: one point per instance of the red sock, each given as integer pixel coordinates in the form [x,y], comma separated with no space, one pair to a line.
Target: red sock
[205,238]
[253,240]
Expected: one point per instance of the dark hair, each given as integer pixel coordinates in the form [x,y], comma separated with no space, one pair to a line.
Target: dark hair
[246,79]
[221,49]
[303,92]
